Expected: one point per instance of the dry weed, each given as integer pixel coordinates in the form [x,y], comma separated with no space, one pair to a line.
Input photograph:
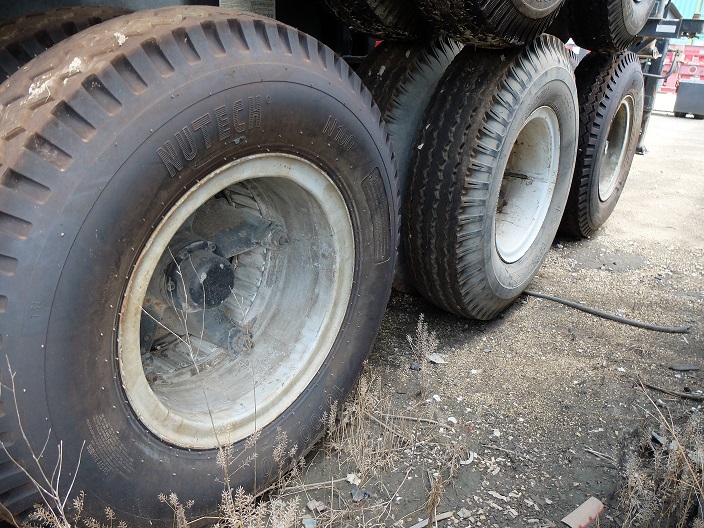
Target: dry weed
[424,344]
[663,474]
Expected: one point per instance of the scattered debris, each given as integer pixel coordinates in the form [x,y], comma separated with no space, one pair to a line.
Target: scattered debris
[476,371]
[308,522]
[415,366]
[359,494]
[587,513]
[437,359]
[436,397]
[452,420]
[464,513]
[497,495]
[441,517]
[467,462]
[316,506]
[353,479]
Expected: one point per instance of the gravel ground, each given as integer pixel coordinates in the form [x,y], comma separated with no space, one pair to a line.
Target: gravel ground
[536,390]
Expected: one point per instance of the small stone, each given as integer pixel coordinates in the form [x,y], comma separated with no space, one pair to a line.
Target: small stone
[452,420]
[464,513]
[436,397]
[437,359]
[316,506]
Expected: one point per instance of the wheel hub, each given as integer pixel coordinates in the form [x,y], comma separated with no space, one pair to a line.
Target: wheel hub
[527,185]
[199,279]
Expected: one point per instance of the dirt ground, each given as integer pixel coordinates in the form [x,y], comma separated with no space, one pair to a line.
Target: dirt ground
[513,419]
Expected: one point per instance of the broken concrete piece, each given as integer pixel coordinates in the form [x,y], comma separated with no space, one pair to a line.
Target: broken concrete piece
[308,521]
[440,517]
[438,359]
[464,513]
[316,506]
[585,514]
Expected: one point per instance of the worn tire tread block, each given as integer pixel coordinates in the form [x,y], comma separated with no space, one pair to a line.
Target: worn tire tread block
[23,38]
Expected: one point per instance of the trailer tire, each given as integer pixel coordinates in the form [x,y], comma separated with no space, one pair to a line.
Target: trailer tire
[25,37]
[501,125]
[607,25]
[402,78]
[610,91]
[386,19]
[131,172]
[492,23]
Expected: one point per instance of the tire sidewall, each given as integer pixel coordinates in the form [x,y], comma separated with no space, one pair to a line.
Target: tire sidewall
[635,14]
[553,88]
[536,9]
[130,191]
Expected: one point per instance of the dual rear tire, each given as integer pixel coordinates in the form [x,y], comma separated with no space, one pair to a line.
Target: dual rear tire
[167,206]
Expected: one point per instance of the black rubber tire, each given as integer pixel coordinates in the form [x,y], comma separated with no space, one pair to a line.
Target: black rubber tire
[402,79]
[23,38]
[491,23]
[481,105]
[385,19]
[680,114]
[698,117]
[81,188]
[607,86]
[607,25]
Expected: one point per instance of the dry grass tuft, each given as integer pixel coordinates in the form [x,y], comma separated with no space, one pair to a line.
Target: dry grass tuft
[663,474]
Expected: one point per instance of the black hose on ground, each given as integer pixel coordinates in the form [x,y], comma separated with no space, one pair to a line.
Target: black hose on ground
[610,317]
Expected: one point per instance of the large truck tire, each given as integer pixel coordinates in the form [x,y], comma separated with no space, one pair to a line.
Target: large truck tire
[491,174]
[386,19]
[23,38]
[607,25]
[198,218]
[403,78]
[491,23]
[610,91]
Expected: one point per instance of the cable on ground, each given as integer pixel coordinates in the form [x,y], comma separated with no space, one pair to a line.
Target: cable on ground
[610,317]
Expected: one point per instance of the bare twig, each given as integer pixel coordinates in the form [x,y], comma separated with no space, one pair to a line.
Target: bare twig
[685,395]
[508,451]
[289,490]
[602,456]
[387,427]
[413,419]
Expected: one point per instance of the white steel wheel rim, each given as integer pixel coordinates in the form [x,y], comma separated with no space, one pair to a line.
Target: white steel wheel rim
[300,313]
[615,148]
[527,185]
